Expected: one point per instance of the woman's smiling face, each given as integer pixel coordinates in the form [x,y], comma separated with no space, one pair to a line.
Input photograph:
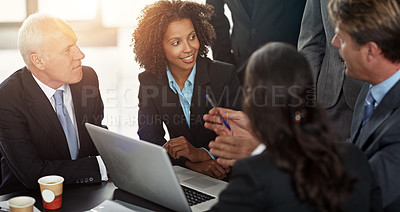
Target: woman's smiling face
[181,45]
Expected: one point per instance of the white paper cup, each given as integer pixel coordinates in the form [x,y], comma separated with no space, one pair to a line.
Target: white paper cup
[51,188]
[21,204]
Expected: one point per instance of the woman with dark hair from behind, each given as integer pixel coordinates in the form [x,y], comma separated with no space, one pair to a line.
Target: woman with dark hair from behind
[306,166]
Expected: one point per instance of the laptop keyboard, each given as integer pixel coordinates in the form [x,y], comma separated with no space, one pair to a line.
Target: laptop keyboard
[195,197]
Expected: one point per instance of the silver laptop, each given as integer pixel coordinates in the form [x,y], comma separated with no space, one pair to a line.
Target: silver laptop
[144,169]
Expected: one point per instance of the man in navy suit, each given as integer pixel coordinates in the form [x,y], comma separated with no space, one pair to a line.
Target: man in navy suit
[33,142]
[368,38]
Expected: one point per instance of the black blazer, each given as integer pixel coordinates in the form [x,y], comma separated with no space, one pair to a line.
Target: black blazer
[32,141]
[159,104]
[271,20]
[379,139]
[258,185]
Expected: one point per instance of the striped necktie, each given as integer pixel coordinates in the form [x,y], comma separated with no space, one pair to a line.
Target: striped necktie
[369,107]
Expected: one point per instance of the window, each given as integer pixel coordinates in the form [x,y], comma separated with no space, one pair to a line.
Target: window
[85,18]
[71,10]
[15,11]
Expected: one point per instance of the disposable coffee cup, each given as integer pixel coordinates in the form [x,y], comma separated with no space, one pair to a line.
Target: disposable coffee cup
[51,188]
[21,204]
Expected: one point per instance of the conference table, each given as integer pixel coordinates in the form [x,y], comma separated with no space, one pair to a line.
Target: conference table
[84,197]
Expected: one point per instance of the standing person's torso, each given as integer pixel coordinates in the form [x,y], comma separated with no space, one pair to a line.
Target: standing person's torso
[272,20]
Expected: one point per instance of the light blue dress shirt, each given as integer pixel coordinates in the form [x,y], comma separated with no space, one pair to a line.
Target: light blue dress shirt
[185,95]
[380,90]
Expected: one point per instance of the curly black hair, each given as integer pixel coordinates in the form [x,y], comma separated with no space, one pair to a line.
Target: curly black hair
[153,22]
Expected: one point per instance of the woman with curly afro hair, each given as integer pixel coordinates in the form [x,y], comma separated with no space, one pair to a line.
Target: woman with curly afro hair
[170,44]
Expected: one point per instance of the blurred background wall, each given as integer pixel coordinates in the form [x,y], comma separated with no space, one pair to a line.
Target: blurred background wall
[104,29]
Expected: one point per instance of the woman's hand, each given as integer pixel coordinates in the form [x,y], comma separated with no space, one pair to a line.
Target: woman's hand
[180,147]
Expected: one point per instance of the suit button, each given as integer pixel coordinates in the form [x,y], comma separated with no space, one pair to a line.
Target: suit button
[253,31]
[91,179]
[86,180]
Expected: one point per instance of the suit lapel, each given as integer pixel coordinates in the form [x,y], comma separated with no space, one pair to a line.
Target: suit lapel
[382,112]
[76,93]
[358,113]
[240,9]
[169,104]
[256,9]
[44,114]
[198,105]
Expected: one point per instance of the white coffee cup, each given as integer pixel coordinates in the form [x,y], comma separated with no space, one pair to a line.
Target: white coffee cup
[21,204]
[51,188]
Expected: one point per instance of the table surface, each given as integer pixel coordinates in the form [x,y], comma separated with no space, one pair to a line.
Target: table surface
[85,197]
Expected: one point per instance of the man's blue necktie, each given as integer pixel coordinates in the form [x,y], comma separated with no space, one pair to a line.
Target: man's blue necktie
[66,124]
[369,107]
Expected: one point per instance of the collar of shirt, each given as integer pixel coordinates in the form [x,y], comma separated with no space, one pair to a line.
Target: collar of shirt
[49,92]
[188,84]
[380,90]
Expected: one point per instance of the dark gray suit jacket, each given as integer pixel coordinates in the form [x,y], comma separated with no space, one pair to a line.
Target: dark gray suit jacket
[271,20]
[379,139]
[328,68]
[32,141]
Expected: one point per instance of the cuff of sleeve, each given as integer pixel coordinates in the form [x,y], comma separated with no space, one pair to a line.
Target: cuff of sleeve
[212,156]
[103,170]
[260,148]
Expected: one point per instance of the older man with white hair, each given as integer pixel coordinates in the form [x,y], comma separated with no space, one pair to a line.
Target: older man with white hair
[43,108]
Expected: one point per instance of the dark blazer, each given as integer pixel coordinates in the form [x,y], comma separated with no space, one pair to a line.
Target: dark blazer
[158,104]
[272,20]
[379,139]
[328,67]
[32,141]
[257,184]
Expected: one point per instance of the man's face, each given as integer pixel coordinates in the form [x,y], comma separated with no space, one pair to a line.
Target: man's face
[63,62]
[351,54]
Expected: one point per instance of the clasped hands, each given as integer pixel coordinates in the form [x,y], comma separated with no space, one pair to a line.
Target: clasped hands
[198,159]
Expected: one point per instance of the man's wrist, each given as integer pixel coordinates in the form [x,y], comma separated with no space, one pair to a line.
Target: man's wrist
[102,168]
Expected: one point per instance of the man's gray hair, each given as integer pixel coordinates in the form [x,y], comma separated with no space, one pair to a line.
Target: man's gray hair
[30,35]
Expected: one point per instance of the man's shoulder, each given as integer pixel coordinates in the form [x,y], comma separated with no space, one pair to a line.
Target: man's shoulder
[12,80]
[13,90]
[88,72]
[89,76]
[13,84]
